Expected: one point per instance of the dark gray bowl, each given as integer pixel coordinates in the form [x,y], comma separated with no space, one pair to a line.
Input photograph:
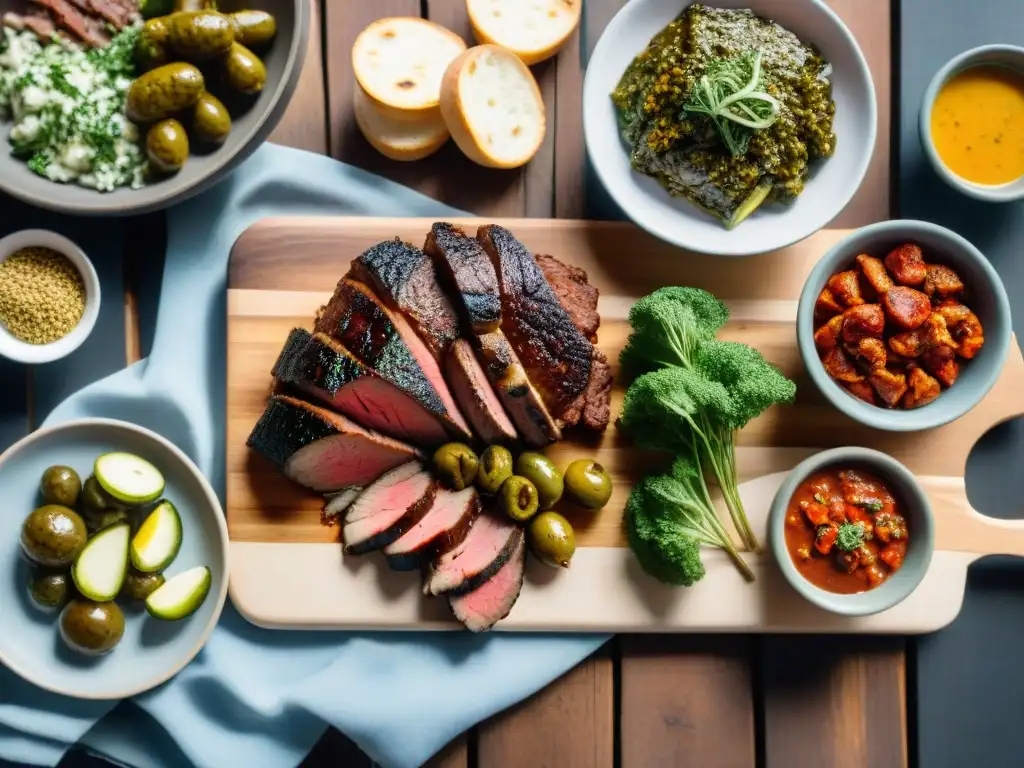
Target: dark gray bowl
[986,297]
[921,528]
[251,128]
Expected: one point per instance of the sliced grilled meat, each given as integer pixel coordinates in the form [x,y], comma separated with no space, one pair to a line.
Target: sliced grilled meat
[388,508]
[489,544]
[442,528]
[593,408]
[87,29]
[492,601]
[323,450]
[476,396]
[37,21]
[337,503]
[469,273]
[324,368]
[554,353]
[575,293]
[384,341]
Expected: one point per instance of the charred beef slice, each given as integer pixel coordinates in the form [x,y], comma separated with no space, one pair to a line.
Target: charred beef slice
[468,273]
[476,396]
[322,367]
[492,601]
[387,508]
[322,450]
[443,527]
[384,341]
[491,541]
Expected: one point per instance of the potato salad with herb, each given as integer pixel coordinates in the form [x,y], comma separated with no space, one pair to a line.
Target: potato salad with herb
[67,108]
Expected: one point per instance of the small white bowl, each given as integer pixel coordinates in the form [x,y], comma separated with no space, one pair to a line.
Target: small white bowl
[15,349]
[1010,56]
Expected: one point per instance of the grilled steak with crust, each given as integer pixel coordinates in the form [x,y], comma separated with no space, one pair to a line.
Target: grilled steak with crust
[468,273]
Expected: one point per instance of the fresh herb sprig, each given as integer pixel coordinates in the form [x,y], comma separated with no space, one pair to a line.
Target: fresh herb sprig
[731,92]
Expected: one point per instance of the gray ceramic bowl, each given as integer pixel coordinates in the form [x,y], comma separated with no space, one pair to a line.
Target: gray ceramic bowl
[151,650]
[993,55]
[283,61]
[920,524]
[986,296]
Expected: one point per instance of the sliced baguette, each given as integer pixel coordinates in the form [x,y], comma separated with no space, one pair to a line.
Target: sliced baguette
[399,63]
[398,139]
[493,107]
[533,30]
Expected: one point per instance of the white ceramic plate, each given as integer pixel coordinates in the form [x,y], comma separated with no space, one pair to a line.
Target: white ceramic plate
[673,219]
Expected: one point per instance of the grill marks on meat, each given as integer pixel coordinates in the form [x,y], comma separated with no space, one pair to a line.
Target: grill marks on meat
[322,450]
[490,543]
[388,508]
[492,601]
[322,367]
[89,21]
[476,396]
[385,342]
[469,272]
[554,353]
[441,529]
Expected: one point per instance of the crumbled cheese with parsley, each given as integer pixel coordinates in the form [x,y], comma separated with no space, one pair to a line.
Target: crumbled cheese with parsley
[67,109]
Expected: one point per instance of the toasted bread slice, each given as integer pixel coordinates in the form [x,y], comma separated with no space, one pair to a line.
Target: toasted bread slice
[533,30]
[493,107]
[399,63]
[398,139]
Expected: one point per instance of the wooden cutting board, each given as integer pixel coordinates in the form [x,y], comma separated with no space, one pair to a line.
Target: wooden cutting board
[288,571]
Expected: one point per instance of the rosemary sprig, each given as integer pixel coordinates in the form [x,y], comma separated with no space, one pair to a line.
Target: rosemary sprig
[730,93]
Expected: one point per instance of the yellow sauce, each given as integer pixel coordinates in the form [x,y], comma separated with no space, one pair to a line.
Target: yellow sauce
[977,125]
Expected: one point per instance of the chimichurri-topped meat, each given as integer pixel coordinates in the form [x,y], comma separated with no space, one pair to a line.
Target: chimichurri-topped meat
[728,110]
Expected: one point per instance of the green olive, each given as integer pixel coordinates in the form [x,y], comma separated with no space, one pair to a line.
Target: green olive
[495,468]
[211,121]
[167,145]
[243,70]
[552,539]
[60,485]
[153,8]
[49,589]
[543,473]
[91,628]
[455,465]
[518,498]
[588,484]
[151,47]
[200,35]
[253,28]
[53,535]
[163,91]
[94,499]
[97,521]
[138,586]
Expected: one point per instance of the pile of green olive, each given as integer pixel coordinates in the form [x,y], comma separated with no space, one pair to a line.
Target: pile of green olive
[52,537]
[526,488]
[186,56]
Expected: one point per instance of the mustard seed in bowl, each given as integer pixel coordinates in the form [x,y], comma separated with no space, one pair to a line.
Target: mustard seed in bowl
[42,295]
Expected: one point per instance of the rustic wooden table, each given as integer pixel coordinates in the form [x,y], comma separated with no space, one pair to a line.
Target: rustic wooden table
[641,700]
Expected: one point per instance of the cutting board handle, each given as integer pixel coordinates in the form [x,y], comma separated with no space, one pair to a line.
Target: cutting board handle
[984,535]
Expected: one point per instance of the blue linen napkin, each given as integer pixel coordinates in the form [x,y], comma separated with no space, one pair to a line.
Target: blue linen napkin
[253,697]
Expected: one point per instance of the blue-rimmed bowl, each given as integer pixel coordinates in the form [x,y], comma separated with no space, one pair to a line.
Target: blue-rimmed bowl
[151,651]
[984,294]
[1010,56]
[916,509]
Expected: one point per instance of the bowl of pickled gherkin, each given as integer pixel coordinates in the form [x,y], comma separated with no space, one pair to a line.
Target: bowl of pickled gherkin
[165,105]
[113,559]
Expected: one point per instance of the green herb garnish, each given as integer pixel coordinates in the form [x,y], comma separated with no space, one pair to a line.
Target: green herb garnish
[730,93]
[874,505]
[851,536]
[820,499]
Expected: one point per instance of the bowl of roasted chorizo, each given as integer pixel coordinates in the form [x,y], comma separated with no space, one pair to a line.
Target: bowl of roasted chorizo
[904,325]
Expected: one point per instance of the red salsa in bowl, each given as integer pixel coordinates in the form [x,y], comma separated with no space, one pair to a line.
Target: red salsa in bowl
[845,530]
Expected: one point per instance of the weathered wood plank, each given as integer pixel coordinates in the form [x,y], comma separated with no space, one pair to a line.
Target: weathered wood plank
[454,755]
[304,125]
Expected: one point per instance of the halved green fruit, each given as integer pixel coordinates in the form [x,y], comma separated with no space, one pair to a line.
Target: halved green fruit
[129,478]
[99,571]
[181,595]
[158,539]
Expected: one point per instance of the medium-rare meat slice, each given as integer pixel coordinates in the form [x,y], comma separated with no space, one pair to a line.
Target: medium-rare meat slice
[554,353]
[492,601]
[37,21]
[476,396]
[322,367]
[469,273]
[491,541]
[388,508]
[384,341]
[323,450]
[86,28]
[337,502]
[522,402]
[441,529]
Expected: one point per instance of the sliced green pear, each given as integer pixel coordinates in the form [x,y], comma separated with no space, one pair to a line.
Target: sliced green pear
[128,478]
[99,571]
[158,539]
[181,595]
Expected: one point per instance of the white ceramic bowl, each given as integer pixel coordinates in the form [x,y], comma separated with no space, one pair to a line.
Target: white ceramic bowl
[1001,55]
[23,352]
[832,182]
